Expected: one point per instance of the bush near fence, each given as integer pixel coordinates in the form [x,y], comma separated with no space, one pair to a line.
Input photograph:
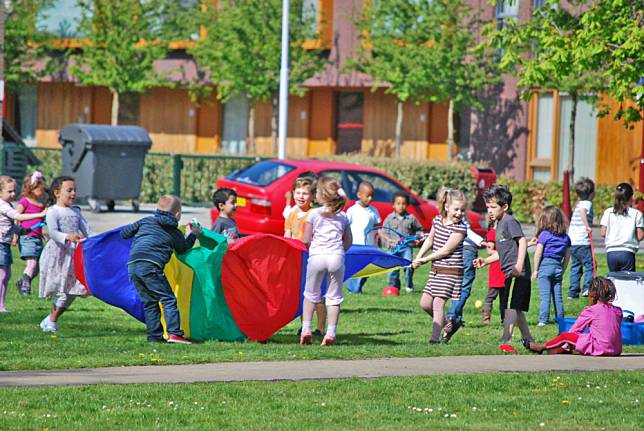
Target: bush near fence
[425,177]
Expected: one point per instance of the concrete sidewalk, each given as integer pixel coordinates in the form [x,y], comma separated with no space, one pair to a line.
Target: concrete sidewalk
[319,369]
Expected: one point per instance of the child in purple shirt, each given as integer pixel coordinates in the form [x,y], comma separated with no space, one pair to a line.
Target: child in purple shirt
[604,323]
[550,260]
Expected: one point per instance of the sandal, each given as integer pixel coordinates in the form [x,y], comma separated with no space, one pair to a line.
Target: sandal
[450,329]
[526,343]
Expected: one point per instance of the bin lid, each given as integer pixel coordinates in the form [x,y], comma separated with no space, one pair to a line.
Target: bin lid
[104,134]
[626,275]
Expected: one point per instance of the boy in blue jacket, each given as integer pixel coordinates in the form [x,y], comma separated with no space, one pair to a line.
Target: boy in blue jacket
[155,239]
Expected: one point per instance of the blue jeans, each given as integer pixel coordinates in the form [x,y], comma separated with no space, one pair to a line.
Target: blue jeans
[393,278]
[550,277]
[469,273]
[153,287]
[354,285]
[581,261]
[620,261]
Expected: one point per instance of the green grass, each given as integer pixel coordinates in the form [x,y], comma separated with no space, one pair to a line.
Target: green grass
[93,334]
[570,401]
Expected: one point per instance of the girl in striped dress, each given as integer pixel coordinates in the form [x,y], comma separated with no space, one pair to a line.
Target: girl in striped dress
[446,241]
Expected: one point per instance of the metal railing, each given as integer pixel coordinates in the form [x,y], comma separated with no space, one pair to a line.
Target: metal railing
[189,176]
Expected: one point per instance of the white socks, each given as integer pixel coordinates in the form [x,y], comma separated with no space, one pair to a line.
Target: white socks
[306,326]
[330,330]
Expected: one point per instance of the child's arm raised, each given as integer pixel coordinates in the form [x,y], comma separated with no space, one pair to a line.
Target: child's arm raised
[130,230]
[537,260]
[452,242]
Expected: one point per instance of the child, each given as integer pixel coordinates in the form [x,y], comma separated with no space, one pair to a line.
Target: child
[66,227]
[155,239]
[328,234]
[496,281]
[225,200]
[31,244]
[446,276]
[8,216]
[363,218]
[303,192]
[550,260]
[623,229]
[604,323]
[406,224]
[579,233]
[512,253]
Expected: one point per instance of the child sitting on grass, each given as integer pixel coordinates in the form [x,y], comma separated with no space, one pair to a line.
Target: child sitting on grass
[155,239]
[604,323]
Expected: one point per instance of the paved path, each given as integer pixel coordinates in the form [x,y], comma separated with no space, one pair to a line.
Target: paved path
[323,369]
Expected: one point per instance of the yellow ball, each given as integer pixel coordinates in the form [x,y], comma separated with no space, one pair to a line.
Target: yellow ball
[478,303]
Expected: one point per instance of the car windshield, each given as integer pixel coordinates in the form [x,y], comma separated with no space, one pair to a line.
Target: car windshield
[261,173]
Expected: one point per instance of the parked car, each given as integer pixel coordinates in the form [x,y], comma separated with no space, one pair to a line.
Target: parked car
[261,188]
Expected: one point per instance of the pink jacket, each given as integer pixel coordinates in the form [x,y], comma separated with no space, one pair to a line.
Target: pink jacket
[604,337]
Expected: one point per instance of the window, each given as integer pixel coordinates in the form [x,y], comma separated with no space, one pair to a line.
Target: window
[235,125]
[262,173]
[60,18]
[585,138]
[506,9]
[27,113]
[310,13]
[384,188]
[536,4]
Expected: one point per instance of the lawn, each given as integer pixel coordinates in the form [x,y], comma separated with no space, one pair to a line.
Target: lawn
[571,401]
[93,334]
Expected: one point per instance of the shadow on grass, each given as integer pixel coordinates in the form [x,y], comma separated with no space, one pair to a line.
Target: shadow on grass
[346,339]
[378,310]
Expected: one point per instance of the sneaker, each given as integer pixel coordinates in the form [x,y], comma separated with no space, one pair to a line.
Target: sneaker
[23,288]
[48,326]
[178,340]
[450,330]
[409,289]
[584,293]
[328,340]
[573,297]
[541,324]
[306,338]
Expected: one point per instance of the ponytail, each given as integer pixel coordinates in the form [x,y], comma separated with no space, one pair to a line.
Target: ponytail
[623,195]
[447,196]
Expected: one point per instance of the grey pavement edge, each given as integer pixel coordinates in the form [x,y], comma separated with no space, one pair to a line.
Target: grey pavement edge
[319,369]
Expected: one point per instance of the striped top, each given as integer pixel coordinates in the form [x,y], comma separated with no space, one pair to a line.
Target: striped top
[577,230]
[441,236]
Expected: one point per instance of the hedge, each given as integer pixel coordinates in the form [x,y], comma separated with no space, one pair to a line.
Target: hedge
[424,177]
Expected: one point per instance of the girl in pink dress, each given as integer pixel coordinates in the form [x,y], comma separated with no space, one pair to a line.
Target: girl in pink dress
[604,323]
[31,244]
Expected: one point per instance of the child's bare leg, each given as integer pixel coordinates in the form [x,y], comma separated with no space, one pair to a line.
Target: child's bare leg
[522,322]
[320,309]
[60,306]
[332,316]
[508,324]
[439,318]
[308,308]
[427,303]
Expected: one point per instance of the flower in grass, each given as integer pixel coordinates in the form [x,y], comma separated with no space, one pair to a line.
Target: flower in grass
[541,424]
[170,403]
[566,403]
[241,353]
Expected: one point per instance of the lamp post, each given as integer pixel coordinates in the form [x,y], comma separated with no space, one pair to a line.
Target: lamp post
[283,95]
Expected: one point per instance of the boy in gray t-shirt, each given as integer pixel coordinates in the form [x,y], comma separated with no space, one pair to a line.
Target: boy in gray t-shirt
[225,200]
[512,251]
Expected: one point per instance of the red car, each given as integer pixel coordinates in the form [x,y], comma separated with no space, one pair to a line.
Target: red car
[261,188]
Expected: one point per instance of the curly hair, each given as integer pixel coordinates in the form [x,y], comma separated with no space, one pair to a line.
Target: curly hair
[601,290]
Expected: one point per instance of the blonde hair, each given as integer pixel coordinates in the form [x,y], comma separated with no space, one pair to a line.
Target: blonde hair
[305,183]
[331,194]
[447,196]
[169,203]
[4,180]
[553,220]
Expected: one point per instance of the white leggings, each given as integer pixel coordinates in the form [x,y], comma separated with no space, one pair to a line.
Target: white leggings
[317,267]
[64,300]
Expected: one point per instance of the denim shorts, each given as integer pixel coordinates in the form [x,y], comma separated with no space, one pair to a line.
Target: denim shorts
[30,246]
[5,254]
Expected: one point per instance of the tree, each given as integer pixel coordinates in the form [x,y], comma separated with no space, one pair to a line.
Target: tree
[545,52]
[241,52]
[424,50]
[611,39]
[121,41]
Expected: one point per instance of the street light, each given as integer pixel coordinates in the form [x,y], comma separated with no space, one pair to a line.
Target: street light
[283,96]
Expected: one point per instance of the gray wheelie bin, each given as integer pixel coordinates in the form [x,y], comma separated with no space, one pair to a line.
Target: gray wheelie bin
[106,161]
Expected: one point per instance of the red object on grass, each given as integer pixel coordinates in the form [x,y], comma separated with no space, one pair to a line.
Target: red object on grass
[565,206]
[390,291]
[508,348]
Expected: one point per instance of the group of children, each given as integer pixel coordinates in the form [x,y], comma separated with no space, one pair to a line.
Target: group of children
[328,232]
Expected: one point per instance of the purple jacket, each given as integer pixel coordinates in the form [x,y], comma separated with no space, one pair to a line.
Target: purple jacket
[604,336]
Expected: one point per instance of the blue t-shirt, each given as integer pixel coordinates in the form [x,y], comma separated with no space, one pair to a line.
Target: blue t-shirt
[554,246]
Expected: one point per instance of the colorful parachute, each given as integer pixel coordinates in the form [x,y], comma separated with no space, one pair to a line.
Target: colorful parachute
[249,289]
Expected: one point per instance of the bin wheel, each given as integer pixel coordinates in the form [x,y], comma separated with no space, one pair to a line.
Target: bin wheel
[111,205]
[94,206]
[136,205]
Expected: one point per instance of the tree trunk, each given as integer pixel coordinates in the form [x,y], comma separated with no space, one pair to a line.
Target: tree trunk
[251,128]
[399,124]
[115,108]
[450,130]
[571,144]
[274,115]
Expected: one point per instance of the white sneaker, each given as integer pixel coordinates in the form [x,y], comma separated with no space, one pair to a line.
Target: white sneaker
[48,326]
[541,324]
[409,289]
[584,293]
